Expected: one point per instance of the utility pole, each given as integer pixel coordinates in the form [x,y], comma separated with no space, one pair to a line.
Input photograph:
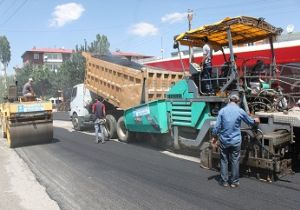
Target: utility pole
[161,48]
[190,18]
[85,45]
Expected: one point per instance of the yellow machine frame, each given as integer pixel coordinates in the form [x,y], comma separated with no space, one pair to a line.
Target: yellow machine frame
[25,123]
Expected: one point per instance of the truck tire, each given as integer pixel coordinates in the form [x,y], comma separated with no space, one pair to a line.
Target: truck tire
[123,134]
[111,126]
[76,122]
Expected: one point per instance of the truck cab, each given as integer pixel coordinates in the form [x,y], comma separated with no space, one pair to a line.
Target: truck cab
[80,105]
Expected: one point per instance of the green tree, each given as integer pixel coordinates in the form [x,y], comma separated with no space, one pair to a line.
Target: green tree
[42,79]
[23,74]
[10,80]
[70,73]
[100,46]
[5,56]
[47,83]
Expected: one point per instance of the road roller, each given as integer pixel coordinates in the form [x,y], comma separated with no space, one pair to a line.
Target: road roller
[26,121]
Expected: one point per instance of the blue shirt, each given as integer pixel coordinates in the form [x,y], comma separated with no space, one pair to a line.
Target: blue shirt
[228,125]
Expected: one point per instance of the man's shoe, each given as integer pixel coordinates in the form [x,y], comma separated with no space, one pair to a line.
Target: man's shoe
[103,142]
[224,184]
[234,185]
[97,141]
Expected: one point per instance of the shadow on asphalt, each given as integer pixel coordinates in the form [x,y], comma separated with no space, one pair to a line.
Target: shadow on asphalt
[54,140]
[61,116]
[214,177]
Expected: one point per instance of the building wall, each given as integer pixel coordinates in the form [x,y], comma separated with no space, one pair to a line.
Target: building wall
[52,60]
[33,57]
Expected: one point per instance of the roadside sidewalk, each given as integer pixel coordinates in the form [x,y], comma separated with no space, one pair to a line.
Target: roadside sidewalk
[19,187]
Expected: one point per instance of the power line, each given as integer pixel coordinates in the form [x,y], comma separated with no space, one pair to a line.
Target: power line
[15,12]
[60,30]
[9,8]
[1,2]
[142,42]
[235,5]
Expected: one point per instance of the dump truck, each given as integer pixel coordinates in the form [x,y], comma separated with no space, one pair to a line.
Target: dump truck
[188,113]
[25,121]
[121,84]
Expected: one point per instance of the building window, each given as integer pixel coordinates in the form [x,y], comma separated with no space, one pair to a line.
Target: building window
[36,56]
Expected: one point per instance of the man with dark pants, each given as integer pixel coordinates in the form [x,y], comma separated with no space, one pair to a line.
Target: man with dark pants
[99,111]
[228,128]
[207,67]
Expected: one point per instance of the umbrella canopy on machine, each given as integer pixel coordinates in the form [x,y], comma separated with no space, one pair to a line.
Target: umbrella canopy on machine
[243,30]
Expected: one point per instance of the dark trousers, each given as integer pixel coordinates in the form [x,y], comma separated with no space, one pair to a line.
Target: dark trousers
[232,154]
[206,77]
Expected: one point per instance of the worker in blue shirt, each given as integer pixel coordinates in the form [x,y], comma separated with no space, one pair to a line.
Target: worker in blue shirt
[228,128]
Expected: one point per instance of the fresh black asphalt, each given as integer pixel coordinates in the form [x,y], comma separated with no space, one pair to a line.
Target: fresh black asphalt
[80,174]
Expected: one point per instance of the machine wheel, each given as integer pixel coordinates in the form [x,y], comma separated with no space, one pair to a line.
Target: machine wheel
[3,133]
[76,122]
[123,134]
[3,129]
[111,126]
[8,139]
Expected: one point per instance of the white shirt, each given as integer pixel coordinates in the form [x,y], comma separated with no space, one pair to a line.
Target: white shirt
[207,52]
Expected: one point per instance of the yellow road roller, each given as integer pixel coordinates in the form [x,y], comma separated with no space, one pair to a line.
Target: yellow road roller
[26,122]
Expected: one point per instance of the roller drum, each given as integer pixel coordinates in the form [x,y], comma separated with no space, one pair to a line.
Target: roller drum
[29,133]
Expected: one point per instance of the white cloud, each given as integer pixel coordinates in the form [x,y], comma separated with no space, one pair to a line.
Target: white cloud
[174,17]
[143,29]
[66,13]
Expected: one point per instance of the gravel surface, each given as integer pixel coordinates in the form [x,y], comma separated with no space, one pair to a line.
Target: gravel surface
[19,187]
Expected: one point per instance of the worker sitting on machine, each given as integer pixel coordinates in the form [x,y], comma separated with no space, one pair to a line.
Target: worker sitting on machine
[27,88]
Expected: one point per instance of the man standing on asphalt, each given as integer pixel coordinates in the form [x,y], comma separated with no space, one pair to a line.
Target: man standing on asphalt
[228,128]
[99,111]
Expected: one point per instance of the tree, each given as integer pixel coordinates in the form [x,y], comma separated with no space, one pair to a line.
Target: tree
[42,78]
[70,73]
[47,83]
[4,56]
[43,81]
[100,46]
[10,80]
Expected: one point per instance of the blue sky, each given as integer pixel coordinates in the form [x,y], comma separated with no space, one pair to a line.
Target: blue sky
[142,26]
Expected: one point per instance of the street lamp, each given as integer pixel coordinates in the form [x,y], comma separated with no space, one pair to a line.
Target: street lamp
[161,48]
[190,18]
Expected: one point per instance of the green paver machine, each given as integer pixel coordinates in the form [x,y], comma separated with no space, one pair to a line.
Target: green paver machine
[188,113]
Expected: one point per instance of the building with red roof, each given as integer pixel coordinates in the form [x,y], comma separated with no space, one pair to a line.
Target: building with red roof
[51,57]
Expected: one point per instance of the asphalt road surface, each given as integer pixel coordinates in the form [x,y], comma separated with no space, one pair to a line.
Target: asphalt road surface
[80,174]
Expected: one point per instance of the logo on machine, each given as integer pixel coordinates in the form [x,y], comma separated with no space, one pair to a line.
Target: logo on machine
[30,108]
[141,111]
